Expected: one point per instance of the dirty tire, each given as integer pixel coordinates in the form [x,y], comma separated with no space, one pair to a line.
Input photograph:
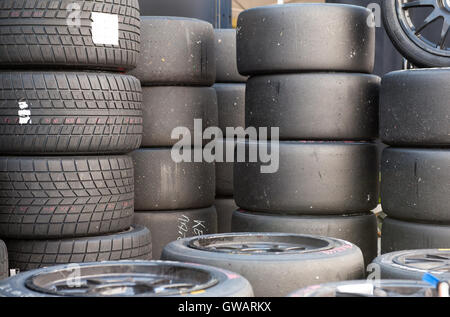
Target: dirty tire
[271,273]
[226,61]
[70,113]
[395,265]
[4,267]
[231,104]
[36,33]
[397,235]
[305,37]
[404,120]
[162,184]
[315,106]
[167,108]
[365,288]
[133,244]
[414,184]
[71,196]
[360,229]
[314,178]
[169,225]
[176,51]
[201,280]
[225,207]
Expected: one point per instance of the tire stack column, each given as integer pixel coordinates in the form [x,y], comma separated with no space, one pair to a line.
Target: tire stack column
[174,199]
[415,191]
[230,88]
[66,185]
[309,68]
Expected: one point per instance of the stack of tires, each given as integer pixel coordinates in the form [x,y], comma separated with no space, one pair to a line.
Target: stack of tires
[309,66]
[230,89]
[66,187]
[174,193]
[415,192]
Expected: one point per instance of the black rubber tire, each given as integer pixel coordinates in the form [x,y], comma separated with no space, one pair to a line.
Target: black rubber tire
[134,244]
[226,61]
[224,169]
[162,184]
[397,235]
[225,207]
[176,51]
[36,33]
[315,106]
[305,37]
[414,108]
[4,266]
[414,53]
[59,197]
[360,229]
[69,113]
[414,184]
[231,104]
[367,288]
[228,284]
[314,178]
[170,225]
[392,265]
[271,274]
[166,108]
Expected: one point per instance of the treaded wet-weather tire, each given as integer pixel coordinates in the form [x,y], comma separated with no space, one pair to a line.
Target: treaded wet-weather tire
[365,288]
[226,61]
[414,46]
[4,267]
[176,51]
[170,225]
[397,235]
[70,113]
[305,37]
[132,244]
[167,108]
[415,185]
[315,106]
[271,273]
[71,196]
[47,33]
[127,278]
[313,178]
[414,108]
[413,264]
[163,184]
[360,229]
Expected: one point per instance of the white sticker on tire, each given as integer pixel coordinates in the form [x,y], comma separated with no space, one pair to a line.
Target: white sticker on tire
[24,113]
[105,28]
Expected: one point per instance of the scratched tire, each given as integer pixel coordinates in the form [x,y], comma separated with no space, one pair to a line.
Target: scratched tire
[132,244]
[414,184]
[129,279]
[37,33]
[278,271]
[65,196]
[69,113]
[4,267]
[169,225]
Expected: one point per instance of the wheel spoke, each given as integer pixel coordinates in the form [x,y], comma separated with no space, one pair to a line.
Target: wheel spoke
[419,3]
[429,19]
[444,33]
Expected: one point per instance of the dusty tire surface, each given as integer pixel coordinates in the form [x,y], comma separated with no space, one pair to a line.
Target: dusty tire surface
[133,244]
[360,229]
[176,51]
[305,37]
[54,34]
[226,60]
[69,196]
[69,113]
[270,273]
[170,225]
[231,105]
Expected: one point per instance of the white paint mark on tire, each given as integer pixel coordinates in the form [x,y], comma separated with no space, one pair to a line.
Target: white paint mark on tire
[24,113]
[105,28]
